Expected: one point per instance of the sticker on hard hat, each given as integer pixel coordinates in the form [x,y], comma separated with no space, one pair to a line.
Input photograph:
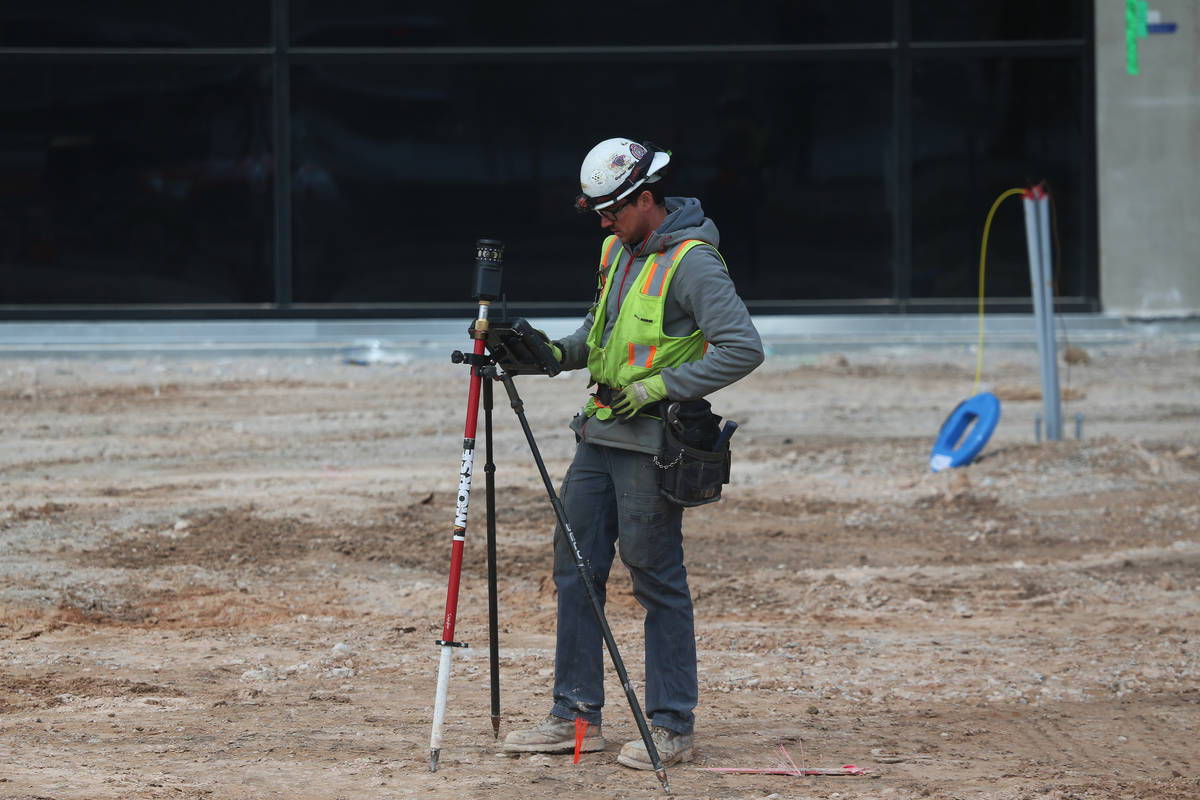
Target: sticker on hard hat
[618,162]
[638,151]
[597,178]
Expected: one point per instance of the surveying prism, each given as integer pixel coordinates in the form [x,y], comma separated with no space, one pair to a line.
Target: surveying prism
[500,352]
[489,266]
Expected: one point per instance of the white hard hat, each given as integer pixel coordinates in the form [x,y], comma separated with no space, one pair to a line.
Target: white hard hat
[615,168]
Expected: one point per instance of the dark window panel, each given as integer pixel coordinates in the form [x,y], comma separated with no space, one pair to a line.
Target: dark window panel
[981,127]
[998,20]
[135,23]
[147,183]
[399,168]
[485,23]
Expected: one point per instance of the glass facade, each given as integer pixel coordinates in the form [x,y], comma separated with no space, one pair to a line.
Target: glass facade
[999,20]
[848,150]
[135,23]
[399,168]
[965,154]
[120,184]
[651,23]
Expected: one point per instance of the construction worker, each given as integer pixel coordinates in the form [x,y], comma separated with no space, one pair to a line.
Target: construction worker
[668,326]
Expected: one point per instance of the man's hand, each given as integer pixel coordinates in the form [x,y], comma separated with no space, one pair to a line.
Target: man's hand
[558,353]
[630,400]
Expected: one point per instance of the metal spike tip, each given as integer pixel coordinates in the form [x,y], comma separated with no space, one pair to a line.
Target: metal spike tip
[495,727]
[662,777]
[433,759]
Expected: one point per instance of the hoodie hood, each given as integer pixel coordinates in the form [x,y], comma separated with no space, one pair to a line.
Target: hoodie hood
[685,220]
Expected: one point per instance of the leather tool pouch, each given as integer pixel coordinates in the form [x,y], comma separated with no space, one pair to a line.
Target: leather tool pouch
[691,473]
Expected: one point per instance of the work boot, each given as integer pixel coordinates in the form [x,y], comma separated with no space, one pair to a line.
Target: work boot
[672,747]
[553,735]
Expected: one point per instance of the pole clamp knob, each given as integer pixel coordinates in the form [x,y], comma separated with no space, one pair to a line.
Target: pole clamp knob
[474,359]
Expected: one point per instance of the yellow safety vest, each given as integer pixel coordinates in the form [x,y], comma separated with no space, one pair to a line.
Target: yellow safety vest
[637,347]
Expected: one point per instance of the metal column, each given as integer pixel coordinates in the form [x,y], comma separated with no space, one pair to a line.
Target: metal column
[1041,274]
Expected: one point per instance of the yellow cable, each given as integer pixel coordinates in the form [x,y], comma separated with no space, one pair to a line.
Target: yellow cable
[982,254]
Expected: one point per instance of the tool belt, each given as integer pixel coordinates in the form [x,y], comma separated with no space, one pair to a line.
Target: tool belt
[691,472]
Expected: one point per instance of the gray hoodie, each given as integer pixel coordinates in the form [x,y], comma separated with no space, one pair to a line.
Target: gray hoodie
[701,296]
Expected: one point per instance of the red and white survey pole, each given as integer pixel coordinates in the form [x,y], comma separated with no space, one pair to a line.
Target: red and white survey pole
[488,258]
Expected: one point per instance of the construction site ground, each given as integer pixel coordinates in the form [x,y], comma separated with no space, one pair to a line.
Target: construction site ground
[224,578]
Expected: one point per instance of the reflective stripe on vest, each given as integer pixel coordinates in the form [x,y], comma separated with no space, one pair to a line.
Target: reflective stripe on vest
[608,246]
[641,355]
[658,276]
[605,251]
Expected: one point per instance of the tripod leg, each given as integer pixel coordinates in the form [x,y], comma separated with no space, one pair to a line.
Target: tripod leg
[586,578]
[489,472]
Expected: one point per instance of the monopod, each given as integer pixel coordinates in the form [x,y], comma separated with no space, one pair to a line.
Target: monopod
[512,350]
[488,255]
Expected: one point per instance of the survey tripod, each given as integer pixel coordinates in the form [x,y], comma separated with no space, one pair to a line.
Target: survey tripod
[502,350]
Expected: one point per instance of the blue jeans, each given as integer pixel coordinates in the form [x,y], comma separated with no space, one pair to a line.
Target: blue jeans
[612,496]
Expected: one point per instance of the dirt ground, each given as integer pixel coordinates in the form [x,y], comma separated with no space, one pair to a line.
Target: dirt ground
[225,578]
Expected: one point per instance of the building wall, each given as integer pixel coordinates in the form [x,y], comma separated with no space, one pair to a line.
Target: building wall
[271,158]
[1148,154]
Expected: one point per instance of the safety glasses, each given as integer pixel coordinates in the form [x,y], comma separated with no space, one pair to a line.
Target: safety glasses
[615,209]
